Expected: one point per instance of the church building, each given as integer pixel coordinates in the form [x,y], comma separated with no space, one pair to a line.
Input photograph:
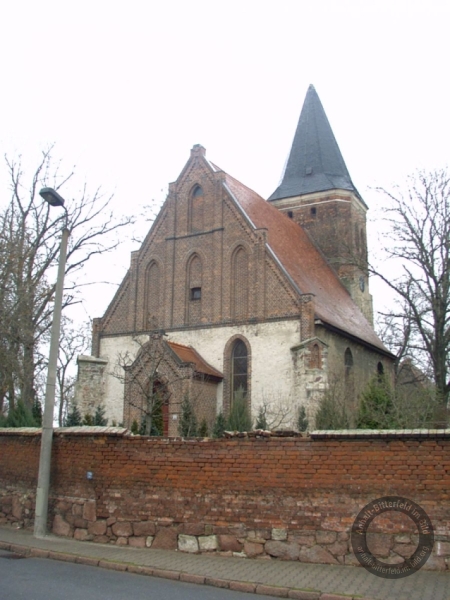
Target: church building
[232,294]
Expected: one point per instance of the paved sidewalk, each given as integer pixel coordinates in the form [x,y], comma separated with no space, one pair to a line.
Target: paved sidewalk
[284,579]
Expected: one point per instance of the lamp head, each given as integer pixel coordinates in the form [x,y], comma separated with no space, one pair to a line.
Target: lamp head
[51,196]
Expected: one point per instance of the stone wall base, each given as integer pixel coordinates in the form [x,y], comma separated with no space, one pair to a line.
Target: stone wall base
[77,518]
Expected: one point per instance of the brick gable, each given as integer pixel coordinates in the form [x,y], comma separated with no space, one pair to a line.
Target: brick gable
[202,242]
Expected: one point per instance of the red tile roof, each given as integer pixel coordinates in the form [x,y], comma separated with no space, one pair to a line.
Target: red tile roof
[188,354]
[304,264]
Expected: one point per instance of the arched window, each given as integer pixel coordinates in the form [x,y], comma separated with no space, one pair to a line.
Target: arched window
[315,358]
[152,296]
[196,210]
[380,371]
[239,368]
[239,284]
[194,289]
[348,361]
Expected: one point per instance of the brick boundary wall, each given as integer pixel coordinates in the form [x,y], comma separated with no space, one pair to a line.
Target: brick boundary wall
[291,498]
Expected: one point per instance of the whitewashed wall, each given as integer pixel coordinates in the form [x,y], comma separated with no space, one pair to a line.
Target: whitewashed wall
[272,365]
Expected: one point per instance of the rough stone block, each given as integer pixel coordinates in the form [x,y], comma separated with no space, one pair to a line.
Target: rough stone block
[137,542]
[144,528]
[253,549]
[97,528]
[122,529]
[402,538]
[338,548]
[166,539]
[302,539]
[187,543]
[149,541]
[60,527]
[435,563]
[193,529]
[405,550]
[279,534]
[208,542]
[326,537]
[317,554]
[90,510]
[77,510]
[122,541]
[442,548]
[81,534]
[80,523]
[283,550]
[259,534]
[17,509]
[229,543]
[379,544]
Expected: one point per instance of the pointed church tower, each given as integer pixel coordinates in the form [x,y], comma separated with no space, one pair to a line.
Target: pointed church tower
[317,192]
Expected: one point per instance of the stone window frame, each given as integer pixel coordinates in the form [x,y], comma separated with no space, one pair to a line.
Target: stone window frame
[348,362]
[232,257]
[193,283]
[153,262]
[193,195]
[227,372]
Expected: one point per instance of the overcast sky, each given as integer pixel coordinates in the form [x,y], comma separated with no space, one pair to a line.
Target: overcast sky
[125,89]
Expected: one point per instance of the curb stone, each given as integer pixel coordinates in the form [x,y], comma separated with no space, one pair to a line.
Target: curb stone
[243,586]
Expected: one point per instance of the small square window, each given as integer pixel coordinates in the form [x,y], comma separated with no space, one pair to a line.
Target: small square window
[196,293]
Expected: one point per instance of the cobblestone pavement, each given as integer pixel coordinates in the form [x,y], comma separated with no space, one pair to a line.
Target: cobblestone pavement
[284,579]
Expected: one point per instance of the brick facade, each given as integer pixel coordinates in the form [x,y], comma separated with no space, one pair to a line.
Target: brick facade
[206,270]
[290,498]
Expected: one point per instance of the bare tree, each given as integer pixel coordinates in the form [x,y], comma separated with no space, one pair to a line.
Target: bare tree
[29,250]
[148,380]
[418,242]
[276,410]
[75,340]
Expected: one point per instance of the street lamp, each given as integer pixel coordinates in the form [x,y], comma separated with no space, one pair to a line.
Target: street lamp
[41,511]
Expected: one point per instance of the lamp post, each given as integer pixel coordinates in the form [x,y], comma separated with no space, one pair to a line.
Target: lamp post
[42,492]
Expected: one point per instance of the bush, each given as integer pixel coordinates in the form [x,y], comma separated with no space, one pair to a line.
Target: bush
[219,426]
[88,420]
[36,411]
[332,414]
[239,419]
[99,417]
[376,409]
[187,426]
[203,429]
[261,421]
[302,421]
[20,416]
[73,417]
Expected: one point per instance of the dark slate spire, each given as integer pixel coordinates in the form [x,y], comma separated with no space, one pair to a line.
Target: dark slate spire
[315,163]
